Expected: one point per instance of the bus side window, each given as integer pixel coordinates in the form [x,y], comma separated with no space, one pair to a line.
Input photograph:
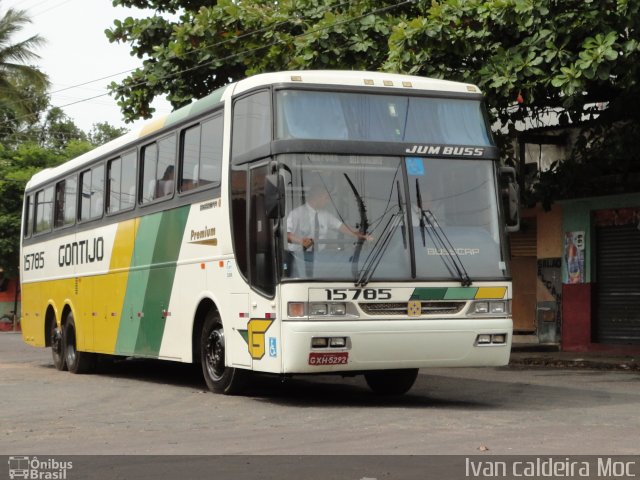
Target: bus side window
[211,151]
[190,158]
[260,236]
[28,216]
[252,124]
[92,193]
[239,216]
[65,203]
[121,186]
[166,166]
[158,165]
[149,169]
[128,181]
[201,147]
[44,207]
[114,187]
[85,198]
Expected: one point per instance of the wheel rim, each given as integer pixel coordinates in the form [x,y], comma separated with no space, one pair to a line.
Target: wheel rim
[214,354]
[71,345]
[56,341]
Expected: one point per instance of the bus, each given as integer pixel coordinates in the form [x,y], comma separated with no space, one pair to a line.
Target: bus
[185,240]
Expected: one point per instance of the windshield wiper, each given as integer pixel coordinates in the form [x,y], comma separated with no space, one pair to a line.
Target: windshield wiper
[364,226]
[373,259]
[377,252]
[440,239]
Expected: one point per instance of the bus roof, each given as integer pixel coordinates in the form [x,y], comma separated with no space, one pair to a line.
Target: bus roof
[365,79]
[356,79]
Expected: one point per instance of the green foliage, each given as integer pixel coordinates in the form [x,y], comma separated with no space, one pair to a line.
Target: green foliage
[103,132]
[58,130]
[22,87]
[33,135]
[209,45]
[15,74]
[528,56]
[16,167]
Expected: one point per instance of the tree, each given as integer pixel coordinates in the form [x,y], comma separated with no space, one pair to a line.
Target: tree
[210,45]
[16,167]
[58,130]
[103,132]
[18,81]
[528,56]
[33,135]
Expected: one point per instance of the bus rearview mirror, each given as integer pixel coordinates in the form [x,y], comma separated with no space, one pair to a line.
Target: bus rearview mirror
[510,198]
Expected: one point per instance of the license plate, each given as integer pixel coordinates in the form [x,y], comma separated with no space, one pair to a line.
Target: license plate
[338,358]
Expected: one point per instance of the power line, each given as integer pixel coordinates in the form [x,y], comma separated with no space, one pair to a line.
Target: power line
[50,8]
[217,44]
[239,54]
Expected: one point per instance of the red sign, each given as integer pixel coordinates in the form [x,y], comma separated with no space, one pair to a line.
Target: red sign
[326,358]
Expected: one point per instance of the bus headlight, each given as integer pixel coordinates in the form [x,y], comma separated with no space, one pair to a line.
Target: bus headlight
[327,309]
[337,309]
[320,309]
[498,308]
[317,309]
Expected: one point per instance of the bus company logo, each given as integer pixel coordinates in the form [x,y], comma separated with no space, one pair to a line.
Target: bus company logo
[445,151]
[34,468]
[254,335]
[82,252]
[204,236]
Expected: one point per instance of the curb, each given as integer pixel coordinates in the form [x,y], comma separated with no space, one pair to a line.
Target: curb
[620,364]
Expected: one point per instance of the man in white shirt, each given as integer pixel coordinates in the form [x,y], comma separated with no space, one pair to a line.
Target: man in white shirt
[310,223]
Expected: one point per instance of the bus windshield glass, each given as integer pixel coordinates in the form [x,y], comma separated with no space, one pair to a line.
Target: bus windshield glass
[303,114]
[349,215]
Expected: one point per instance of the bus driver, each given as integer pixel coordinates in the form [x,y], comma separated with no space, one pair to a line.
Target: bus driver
[309,223]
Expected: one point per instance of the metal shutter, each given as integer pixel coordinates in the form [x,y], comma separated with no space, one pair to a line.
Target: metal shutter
[618,284]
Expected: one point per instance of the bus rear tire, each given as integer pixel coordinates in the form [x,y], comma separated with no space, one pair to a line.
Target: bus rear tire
[391,382]
[57,347]
[218,377]
[77,362]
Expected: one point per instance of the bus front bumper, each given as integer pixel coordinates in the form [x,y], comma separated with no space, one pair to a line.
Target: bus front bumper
[379,345]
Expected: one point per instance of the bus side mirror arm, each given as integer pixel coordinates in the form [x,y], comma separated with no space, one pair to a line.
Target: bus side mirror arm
[510,193]
[274,198]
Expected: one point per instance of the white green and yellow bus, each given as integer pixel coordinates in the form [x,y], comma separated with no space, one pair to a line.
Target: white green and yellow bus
[177,242]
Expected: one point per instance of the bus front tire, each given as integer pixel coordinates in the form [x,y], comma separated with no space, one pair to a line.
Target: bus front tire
[391,382]
[218,377]
[77,362]
[57,347]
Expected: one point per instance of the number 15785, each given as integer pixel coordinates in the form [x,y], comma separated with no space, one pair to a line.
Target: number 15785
[358,293]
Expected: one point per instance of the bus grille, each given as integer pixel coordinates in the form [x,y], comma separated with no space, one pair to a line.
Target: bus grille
[428,308]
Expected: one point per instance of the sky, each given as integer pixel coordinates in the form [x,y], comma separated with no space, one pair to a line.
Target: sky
[77,51]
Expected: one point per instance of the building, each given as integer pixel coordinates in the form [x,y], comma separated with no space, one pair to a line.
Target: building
[576,268]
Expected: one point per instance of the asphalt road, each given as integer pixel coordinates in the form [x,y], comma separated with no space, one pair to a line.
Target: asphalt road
[149,407]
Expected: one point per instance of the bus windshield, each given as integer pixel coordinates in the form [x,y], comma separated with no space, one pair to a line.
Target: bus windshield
[303,114]
[349,215]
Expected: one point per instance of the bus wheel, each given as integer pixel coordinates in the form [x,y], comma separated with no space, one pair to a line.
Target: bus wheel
[77,362]
[57,347]
[219,378]
[391,382]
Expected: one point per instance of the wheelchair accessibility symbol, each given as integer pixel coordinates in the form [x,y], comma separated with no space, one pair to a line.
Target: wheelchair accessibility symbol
[273,350]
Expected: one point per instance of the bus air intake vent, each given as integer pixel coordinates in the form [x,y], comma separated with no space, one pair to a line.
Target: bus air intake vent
[428,308]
